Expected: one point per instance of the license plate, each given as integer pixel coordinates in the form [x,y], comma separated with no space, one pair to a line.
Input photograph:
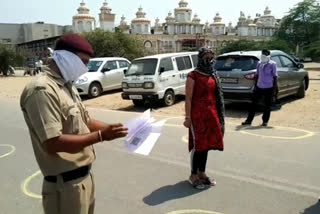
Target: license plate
[135,97]
[229,80]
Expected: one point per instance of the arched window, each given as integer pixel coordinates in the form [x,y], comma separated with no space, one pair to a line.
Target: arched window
[89,26]
[80,26]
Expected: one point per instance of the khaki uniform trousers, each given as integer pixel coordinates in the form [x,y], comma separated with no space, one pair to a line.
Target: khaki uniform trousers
[72,197]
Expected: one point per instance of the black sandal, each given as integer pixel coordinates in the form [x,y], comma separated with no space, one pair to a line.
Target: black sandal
[208,181]
[197,184]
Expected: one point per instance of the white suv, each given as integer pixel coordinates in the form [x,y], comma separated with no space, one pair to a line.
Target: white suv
[103,74]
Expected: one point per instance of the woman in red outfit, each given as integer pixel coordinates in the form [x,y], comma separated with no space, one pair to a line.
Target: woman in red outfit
[204,109]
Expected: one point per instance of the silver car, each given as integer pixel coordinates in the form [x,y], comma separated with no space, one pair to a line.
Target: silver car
[103,74]
[237,72]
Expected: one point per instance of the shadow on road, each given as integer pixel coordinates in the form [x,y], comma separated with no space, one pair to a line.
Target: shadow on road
[85,97]
[155,105]
[242,127]
[314,209]
[170,192]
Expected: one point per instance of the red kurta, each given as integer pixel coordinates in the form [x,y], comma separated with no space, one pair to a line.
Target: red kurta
[205,132]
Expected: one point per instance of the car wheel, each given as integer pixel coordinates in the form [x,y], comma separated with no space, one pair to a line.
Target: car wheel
[94,90]
[138,103]
[302,90]
[169,98]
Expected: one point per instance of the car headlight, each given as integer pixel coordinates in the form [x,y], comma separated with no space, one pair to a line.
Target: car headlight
[148,85]
[82,80]
[125,85]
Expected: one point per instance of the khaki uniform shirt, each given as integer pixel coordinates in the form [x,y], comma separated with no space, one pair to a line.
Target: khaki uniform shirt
[51,108]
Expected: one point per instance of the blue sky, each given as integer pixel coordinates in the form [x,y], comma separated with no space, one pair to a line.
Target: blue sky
[61,11]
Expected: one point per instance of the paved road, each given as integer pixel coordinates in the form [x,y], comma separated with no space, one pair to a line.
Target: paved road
[262,170]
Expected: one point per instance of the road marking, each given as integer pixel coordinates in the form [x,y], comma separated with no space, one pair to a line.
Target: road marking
[13,149]
[193,212]
[260,180]
[306,135]
[25,184]
[185,138]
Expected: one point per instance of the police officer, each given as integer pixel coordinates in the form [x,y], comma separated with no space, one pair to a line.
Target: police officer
[61,130]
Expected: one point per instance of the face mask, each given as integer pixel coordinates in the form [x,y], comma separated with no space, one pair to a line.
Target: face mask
[69,64]
[265,59]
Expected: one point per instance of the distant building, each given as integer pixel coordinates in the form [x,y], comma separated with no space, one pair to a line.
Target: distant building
[38,49]
[140,25]
[182,22]
[83,21]
[218,27]
[106,18]
[12,34]
[265,25]
[124,27]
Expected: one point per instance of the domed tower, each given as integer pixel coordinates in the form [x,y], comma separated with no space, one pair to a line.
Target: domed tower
[158,29]
[124,27]
[217,27]
[268,20]
[169,25]
[196,19]
[141,25]
[83,21]
[242,26]
[252,27]
[106,18]
[268,24]
[183,13]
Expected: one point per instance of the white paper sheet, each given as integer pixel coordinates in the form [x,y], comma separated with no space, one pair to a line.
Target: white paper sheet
[143,133]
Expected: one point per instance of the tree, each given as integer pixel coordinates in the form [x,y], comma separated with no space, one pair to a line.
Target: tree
[313,51]
[301,27]
[109,44]
[251,45]
[9,56]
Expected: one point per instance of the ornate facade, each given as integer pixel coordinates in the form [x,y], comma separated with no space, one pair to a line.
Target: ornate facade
[182,22]
[265,25]
[106,18]
[140,25]
[181,30]
[83,21]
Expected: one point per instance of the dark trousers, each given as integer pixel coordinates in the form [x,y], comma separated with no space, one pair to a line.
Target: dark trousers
[267,94]
[198,161]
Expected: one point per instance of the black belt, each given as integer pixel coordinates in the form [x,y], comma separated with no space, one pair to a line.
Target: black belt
[70,175]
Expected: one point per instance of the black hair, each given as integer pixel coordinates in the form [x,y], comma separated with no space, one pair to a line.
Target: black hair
[266,52]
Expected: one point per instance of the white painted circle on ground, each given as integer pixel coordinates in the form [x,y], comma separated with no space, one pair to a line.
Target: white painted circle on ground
[185,139]
[193,212]
[25,184]
[12,150]
[305,135]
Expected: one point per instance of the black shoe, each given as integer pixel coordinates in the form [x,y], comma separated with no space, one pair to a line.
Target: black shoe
[246,123]
[264,124]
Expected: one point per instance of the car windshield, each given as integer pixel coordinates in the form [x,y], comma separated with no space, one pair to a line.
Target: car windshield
[142,67]
[229,63]
[94,65]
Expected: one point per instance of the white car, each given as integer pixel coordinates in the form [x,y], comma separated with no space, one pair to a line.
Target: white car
[103,74]
[158,77]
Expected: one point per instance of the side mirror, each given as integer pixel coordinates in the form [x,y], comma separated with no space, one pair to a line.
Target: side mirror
[125,71]
[300,65]
[161,70]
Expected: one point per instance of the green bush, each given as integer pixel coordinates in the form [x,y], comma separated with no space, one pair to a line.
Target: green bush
[109,44]
[9,56]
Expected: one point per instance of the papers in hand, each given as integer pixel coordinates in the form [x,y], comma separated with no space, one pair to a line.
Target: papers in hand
[144,132]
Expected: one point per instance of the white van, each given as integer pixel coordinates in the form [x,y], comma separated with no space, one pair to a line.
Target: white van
[103,74]
[158,77]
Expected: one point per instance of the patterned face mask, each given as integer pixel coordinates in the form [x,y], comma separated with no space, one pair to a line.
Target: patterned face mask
[205,60]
